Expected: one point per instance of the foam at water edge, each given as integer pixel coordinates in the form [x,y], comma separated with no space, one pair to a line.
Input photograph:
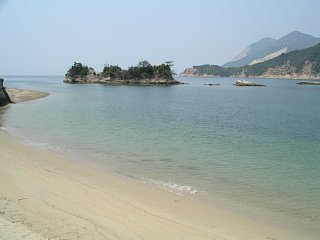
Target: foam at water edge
[38,145]
[174,188]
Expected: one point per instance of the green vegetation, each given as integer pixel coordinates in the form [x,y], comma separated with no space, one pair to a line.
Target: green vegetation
[78,70]
[112,71]
[144,70]
[295,59]
[216,70]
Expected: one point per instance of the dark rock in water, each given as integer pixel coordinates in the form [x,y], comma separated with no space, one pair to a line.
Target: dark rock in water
[4,97]
[212,84]
[243,83]
[308,83]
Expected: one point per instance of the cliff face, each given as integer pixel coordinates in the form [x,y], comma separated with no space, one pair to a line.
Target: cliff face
[190,72]
[291,72]
[204,71]
[4,97]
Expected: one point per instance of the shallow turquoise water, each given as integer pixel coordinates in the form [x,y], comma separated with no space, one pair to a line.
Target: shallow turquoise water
[259,147]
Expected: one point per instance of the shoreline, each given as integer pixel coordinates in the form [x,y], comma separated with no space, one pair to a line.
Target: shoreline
[194,218]
[254,77]
[43,191]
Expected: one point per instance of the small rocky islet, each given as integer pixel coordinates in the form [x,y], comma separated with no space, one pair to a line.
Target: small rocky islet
[212,84]
[142,74]
[244,83]
[308,83]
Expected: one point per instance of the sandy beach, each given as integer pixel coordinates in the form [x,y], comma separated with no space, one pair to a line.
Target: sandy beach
[23,95]
[44,195]
[159,120]
[47,196]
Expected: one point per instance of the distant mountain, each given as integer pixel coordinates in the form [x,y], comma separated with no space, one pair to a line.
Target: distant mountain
[268,48]
[298,64]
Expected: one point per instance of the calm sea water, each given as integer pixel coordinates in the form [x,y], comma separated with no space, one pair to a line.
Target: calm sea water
[257,147]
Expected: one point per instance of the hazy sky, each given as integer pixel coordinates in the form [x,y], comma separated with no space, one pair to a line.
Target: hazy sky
[47,36]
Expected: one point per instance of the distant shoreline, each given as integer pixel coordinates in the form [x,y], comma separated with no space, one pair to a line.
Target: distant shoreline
[253,77]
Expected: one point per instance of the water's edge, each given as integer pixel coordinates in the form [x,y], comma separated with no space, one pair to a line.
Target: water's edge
[123,154]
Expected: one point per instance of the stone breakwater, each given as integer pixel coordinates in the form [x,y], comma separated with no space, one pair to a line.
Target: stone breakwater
[4,97]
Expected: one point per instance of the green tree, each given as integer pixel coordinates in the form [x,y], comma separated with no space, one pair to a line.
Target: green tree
[77,70]
[112,71]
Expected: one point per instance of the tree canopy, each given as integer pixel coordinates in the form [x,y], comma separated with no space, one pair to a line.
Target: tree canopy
[78,70]
[143,70]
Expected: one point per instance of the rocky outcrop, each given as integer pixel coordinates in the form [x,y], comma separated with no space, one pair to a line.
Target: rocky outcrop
[308,83]
[4,97]
[93,77]
[288,71]
[198,71]
[243,83]
[190,72]
[97,78]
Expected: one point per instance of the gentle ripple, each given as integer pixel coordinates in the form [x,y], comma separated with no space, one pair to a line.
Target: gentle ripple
[256,146]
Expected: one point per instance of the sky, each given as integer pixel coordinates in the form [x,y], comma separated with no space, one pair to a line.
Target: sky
[45,37]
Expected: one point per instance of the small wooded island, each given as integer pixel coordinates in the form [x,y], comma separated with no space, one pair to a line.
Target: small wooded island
[142,74]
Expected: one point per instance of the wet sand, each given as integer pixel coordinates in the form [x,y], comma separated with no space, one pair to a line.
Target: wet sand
[48,196]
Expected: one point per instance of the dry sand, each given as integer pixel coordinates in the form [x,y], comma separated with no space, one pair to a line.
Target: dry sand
[22,95]
[46,196]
